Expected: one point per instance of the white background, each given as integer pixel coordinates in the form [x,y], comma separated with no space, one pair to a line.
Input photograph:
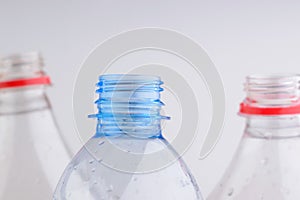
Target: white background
[241,37]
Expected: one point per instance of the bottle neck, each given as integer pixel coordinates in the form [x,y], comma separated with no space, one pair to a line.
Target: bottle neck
[23,99]
[272,106]
[129,105]
[272,90]
[143,128]
[280,126]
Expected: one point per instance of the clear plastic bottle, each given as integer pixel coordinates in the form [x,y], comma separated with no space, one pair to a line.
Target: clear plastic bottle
[32,154]
[266,164]
[126,159]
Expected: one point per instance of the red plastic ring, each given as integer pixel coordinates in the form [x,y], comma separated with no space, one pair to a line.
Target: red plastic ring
[289,110]
[43,80]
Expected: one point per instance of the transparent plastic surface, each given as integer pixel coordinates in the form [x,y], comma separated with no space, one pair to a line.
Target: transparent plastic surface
[32,152]
[88,178]
[128,120]
[33,155]
[21,66]
[266,164]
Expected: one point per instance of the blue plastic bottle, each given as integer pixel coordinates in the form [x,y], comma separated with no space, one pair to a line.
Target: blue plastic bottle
[128,158]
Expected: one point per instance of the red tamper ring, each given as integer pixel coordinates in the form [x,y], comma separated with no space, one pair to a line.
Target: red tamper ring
[288,110]
[43,80]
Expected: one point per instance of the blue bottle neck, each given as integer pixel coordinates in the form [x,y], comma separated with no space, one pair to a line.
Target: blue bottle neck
[129,105]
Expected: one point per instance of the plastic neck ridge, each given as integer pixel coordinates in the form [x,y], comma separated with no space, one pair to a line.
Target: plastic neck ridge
[129,104]
[272,95]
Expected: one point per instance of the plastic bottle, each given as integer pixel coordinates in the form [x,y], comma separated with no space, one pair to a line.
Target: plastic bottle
[126,157]
[32,154]
[266,164]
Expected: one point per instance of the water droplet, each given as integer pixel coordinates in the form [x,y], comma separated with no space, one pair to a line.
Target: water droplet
[230,192]
[247,180]
[285,190]
[69,194]
[2,157]
[110,189]
[37,180]
[264,161]
[94,169]
[261,196]
[115,197]
[184,183]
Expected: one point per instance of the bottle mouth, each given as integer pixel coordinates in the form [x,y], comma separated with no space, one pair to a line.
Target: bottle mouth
[25,69]
[122,78]
[130,104]
[276,94]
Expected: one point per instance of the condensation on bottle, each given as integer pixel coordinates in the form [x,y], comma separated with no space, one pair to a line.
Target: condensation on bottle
[266,164]
[32,151]
[127,157]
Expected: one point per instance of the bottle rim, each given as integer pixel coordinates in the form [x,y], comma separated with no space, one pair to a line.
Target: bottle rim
[22,69]
[273,94]
[129,104]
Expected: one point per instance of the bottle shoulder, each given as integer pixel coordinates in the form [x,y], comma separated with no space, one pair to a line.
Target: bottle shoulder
[112,168]
[149,154]
[262,167]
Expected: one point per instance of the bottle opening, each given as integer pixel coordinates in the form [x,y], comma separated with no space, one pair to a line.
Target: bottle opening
[20,70]
[272,95]
[129,104]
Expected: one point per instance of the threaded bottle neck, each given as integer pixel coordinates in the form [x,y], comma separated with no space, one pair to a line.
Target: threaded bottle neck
[129,104]
[272,95]
[19,70]
[272,90]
